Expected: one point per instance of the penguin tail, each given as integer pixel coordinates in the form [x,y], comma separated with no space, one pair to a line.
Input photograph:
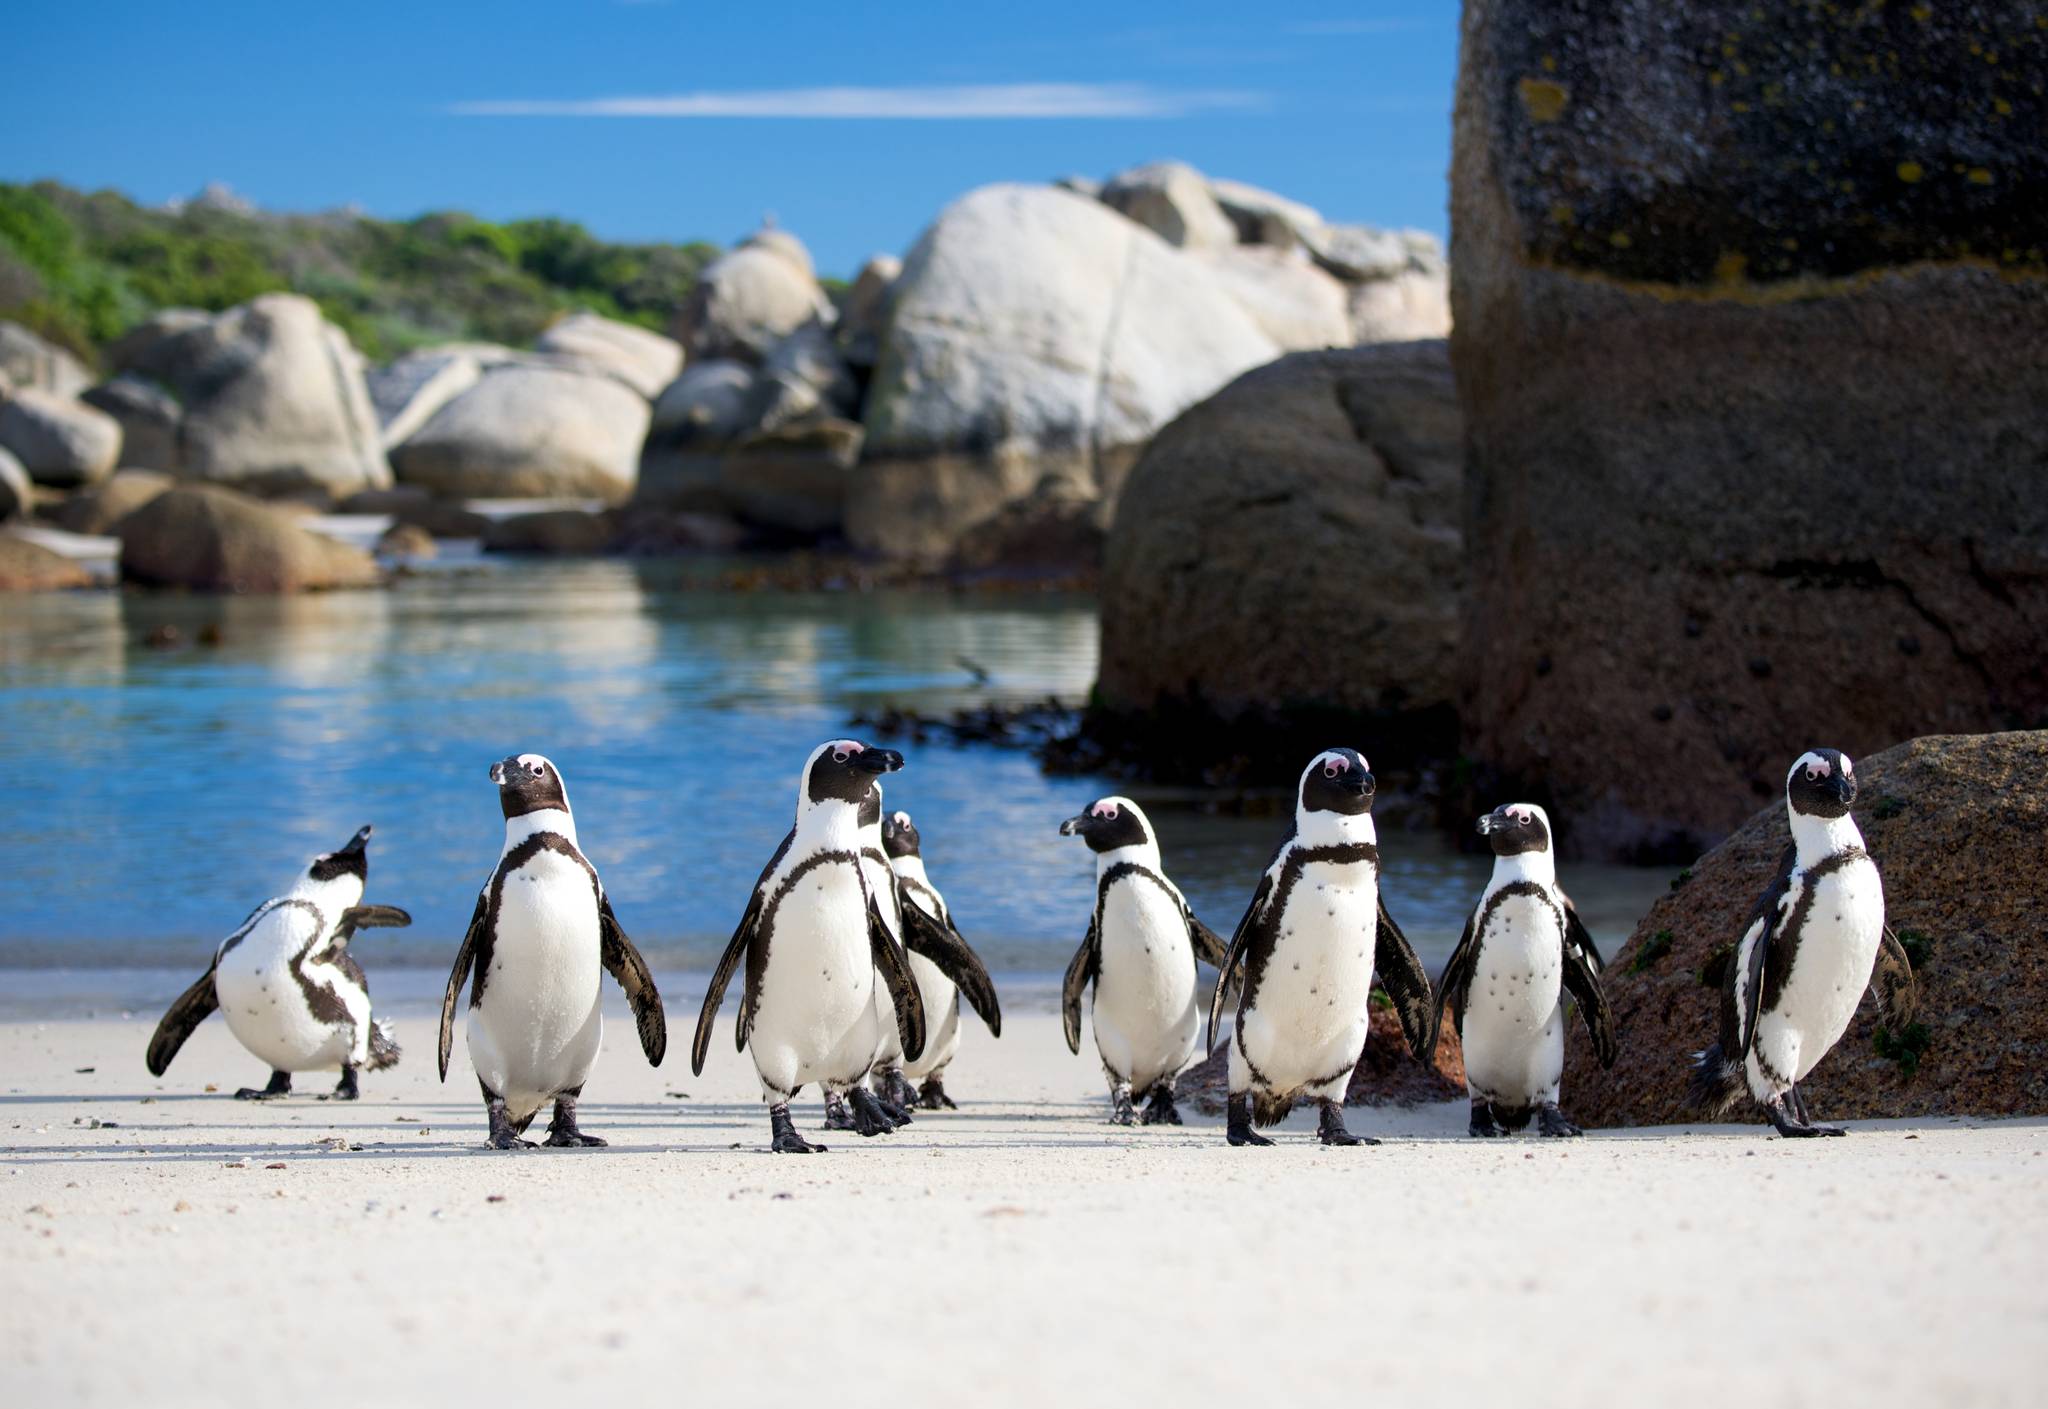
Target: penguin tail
[1269,1109]
[383,1046]
[1716,1082]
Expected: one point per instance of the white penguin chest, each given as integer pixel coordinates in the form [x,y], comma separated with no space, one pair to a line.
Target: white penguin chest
[545,945]
[820,960]
[263,993]
[1319,976]
[1837,945]
[1518,971]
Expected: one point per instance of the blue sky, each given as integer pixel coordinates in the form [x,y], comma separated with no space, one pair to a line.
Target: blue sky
[793,108]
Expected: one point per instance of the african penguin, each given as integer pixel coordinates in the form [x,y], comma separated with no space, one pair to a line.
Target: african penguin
[1806,956]
[886,1081]
[816,947]
[540,939]
[1140,954]
[289,989]
[1523,948]
[936,986]
[1309,945]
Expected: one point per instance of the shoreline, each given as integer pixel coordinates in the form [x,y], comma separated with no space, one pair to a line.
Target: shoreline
[1019,1246]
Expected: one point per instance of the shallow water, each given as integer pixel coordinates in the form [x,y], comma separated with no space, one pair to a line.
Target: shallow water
[154,796]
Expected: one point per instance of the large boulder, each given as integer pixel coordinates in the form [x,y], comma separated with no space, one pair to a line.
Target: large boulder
[1414,304]
[643,360]
[163,346]
[865,311]
[1174,202]
[1032,330]
[407,391]
[29,361]
[530,432]
[26,566]
[572,531]
[1289,550]
[97,510]
[1748,339]
[59,441]
[1263,218]
[274,399]
[1955,825]
[802,378]
[17,494]
[697,415]
[750,298]
[1297,305]
[209,539]
[150,417]
[792,480]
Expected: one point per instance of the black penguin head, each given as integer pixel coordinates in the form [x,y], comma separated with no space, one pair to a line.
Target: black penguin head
[1109,823]
[529,783]
[352,860]
[845,770]
[1821,784]
[1516,827]
[899,835]
[1337,780]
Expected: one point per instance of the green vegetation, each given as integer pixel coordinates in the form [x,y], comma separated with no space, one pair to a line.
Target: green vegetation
[81,269]
[1919,948]
[1906,1047]
[1681,878]
[1887,807]
[1654,948]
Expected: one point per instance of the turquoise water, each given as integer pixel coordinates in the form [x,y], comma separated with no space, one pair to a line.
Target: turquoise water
[155,795]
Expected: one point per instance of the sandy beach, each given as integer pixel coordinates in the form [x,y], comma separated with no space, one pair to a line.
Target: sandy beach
[169,1246]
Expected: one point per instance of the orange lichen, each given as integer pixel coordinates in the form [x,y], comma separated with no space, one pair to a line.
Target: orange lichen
[1542,99]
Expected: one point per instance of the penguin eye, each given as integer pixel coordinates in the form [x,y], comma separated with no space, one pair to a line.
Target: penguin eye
[1812,773]
[840,755]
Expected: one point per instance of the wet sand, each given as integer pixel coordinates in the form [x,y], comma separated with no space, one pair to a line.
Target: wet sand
[1018,1251]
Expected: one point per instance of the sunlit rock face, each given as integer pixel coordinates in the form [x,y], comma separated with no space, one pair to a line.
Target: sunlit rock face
[1748,305]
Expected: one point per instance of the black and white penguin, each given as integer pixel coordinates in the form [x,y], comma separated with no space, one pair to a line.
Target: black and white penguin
[1806,956]
[1523,949]
[1140,956]
[540,940]
[816,947]
[1309,945]
[287,985]
[886,1081]
[935,986]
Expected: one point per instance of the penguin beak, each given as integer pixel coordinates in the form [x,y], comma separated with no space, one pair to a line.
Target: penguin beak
[1359,782]
[356,842]
[498,770]
[1843,787]
[1074,826]
[878,760]
[1492,822]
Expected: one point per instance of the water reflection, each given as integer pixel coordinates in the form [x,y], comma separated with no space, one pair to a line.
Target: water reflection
[155,794]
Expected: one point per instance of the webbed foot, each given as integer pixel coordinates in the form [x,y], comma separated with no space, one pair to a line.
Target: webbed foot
[1120,1112]
[1238,1124]
[1485,1125]
[869,1117]
[348,1090]
[932,1096]
[1552,1123]
[787,1141]
[894,1089]
[1330,1127]
[837,1116]
[1159,1107]
[280,1085]
[562,1131]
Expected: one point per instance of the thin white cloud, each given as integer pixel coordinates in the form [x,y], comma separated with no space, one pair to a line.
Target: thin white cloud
[986,100]
[1324,28]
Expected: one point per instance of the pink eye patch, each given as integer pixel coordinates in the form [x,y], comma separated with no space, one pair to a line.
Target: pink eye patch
[1103,809]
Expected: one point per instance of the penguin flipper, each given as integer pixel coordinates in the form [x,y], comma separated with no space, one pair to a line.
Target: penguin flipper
[714,995]
[1582,981]
[1234,956]
[191,1009]
[1081,971]
[1898,987]
[368,917]
[943,945]
[464,957]
[894,969]
[1454,982]
[623,962]
[1399,972]
[1575,931]
[1209,946]
[1764,920]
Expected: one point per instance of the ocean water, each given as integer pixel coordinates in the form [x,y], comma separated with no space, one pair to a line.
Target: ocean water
[153,796]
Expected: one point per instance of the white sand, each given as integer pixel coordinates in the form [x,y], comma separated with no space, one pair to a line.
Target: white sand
[1017,1252]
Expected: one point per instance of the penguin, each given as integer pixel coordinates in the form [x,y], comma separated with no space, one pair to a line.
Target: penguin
[1810,948]
[287,985]
[1314,937]
[1523,949]
[541,936]
[886,1082]
[935,986]
[816,947]
[1140,956]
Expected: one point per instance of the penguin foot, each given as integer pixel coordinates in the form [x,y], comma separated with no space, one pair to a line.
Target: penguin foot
[869,1116]
[1551,1122]
[1120,1112]
[504,1135]
[1791,1127]
[280,1085]
[1159,1108]
[1238,1125]
[932,1096]
[1330,1127]
[562,1131]
[837,1116]
[508,1139]
[348,1090]
[1484,1125]
[894,1089]
[896,1110]
[787,1141]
